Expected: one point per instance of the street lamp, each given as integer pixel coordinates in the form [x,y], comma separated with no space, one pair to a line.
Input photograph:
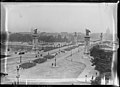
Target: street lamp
[55,58]
[18,75]
[59,47]
[85,78]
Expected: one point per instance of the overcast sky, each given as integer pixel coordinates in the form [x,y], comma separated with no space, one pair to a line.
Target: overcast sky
[61,17]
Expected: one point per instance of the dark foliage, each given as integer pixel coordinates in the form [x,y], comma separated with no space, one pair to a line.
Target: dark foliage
[40,60]
[3,36]
[97,81]
[49,56]
[28,38]
[49,48]
[102,60]
[21,53]
[20,37]
[27,65]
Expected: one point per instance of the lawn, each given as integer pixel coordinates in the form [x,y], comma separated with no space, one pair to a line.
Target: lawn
[40,60]
[27,65]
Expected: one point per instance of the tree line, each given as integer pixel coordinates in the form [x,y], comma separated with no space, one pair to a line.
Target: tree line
[102,60]
[28,38]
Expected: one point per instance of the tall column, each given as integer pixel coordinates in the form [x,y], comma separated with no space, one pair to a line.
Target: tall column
[87,42]
[35,40]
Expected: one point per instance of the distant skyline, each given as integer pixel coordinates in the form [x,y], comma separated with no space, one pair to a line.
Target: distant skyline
[60,17]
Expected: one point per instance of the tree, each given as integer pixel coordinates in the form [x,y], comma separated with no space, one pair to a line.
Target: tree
[102,61]
[65,39]
[59,38]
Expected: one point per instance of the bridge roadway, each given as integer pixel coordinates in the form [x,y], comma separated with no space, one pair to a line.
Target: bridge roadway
[60,61]
[59,57]
[15,58]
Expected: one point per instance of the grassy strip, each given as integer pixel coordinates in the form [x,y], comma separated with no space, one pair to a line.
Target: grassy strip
[27,65]
[40,60]
[49,56]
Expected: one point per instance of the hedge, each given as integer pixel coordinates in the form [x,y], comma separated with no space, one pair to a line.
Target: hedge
[27,65]
[40,60]
[49,56]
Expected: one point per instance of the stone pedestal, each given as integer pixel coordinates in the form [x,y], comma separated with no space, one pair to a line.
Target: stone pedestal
[87,45]
[35,42]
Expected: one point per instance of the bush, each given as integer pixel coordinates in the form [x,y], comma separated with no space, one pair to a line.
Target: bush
[49,56]
[49,48]
[101,59]
[97,81]
[40,60]
[27,65]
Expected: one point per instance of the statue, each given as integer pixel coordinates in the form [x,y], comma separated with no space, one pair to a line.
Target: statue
[87,32]
[35,31]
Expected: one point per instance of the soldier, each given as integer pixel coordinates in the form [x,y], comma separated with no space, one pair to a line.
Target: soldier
[92,77]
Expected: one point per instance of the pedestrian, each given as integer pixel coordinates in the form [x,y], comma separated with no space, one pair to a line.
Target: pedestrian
[92,77]
[41,55]
[96,73]
[52,64]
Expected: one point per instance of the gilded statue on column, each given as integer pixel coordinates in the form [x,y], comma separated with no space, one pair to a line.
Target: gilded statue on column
[87,32]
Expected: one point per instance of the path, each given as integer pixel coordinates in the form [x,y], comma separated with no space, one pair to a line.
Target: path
[89,70]
[66,69]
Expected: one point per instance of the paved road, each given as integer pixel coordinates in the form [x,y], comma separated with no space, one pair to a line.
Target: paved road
[60,61]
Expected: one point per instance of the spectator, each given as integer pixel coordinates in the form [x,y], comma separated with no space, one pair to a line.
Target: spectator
[92,77]
[52,64]
[41,55]
[96,73]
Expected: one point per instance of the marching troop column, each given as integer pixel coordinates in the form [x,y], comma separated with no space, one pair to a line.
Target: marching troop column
[87,42]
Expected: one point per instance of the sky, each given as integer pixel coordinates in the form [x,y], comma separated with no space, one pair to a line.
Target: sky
[59,17]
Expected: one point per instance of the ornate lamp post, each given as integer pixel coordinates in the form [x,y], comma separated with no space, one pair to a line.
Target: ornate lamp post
[55,58]
[18,75]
